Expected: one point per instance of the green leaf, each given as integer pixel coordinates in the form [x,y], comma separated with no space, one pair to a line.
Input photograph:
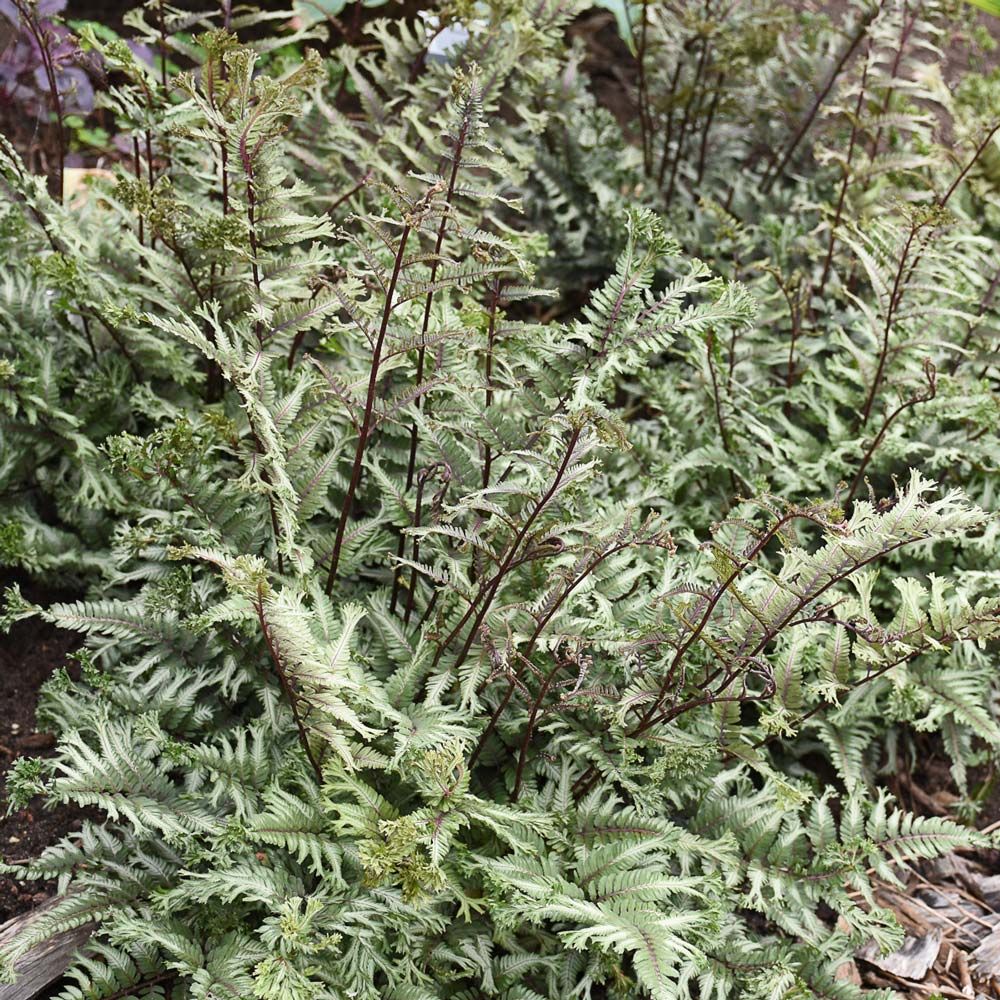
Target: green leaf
[990,6]
[625,17]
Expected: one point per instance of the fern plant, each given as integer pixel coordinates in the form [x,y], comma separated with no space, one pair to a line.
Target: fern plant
[445,636]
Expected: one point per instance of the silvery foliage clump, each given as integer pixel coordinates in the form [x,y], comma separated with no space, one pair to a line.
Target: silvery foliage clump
[488,512]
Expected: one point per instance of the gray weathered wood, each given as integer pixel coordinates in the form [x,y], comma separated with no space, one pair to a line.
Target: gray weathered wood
[912,961]
[44,964]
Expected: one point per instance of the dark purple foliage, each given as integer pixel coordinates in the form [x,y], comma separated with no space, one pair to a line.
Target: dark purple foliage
[22,73]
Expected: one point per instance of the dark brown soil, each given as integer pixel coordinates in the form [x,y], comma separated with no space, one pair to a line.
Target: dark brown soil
[607,63]
[28,656]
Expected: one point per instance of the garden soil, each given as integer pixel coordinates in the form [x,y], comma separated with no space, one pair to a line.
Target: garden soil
[28,657]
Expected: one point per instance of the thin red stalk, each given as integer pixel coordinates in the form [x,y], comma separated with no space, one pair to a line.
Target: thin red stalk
[214,385]
[795,316]
[975,157]
[713,108]
[713,601]
[536,705]
[265,476]
[873,447]
[509,560]
[162,46]
[286,687]
[906,27]
[771,633]
[774,172]
[411,464]
[137,165]
[796,326]
[894,300]
[27,17]
[942,202]
[845,183]
[397,575]
[251,222]
[490,334]
[645,122]
[529,650]
[488,589]
[901,282]
[428,610]
[353,190]
[669,130]
[366,424]
[723,433]
[686,118]
[550,677]
[463,135]
[148,139]
[414,573]
[87,334]
[984,304]
[411,594]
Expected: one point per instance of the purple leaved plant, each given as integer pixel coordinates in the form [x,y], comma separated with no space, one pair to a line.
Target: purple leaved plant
[42,70]
[23,78]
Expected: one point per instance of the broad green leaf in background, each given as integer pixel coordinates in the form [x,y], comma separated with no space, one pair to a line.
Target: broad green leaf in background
[310,12]
[626,15]
[990,6]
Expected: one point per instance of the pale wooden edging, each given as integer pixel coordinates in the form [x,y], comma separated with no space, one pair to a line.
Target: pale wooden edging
[46,962]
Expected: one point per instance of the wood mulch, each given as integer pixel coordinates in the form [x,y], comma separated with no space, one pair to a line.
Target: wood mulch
[28,657]
[950,911]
